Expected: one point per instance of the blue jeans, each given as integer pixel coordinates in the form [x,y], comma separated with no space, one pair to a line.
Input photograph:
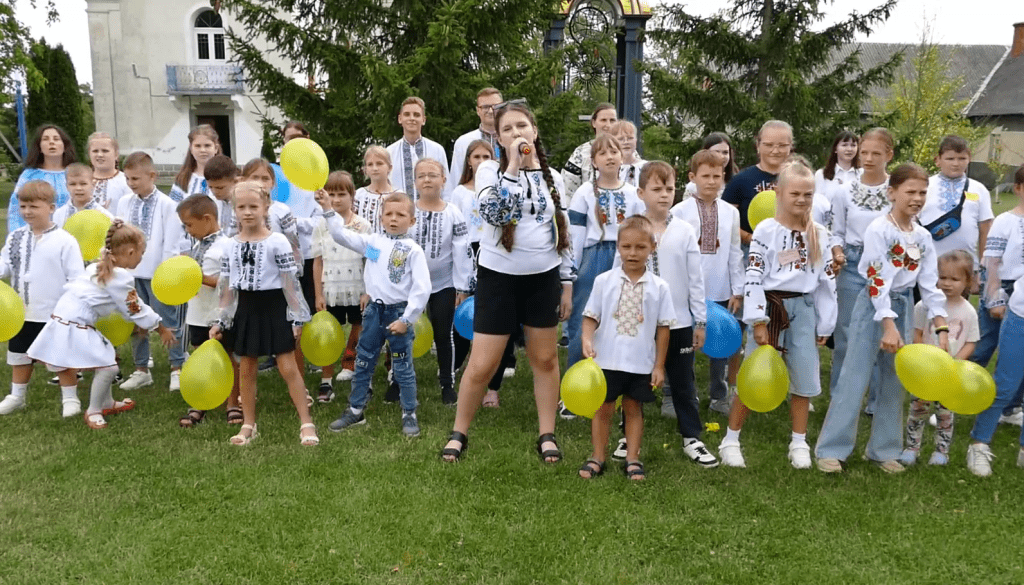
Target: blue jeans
[839,431]
[376,319]
[597,259]
[990,340]
[800,340]
[172,317]
[1009,375]
[849,285]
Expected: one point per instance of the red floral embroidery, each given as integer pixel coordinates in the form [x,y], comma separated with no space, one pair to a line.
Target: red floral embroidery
[897,263]
[911,266]
[133,303]
[898,249]
[872,271]
[873,291]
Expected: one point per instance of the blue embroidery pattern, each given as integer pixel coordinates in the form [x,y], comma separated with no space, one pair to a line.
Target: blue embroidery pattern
[18,238]
[397,261]
[499,206]
[142,212]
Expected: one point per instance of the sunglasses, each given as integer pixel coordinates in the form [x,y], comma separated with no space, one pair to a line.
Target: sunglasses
[516,102]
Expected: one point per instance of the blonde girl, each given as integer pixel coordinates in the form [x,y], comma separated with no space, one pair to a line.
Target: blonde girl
[369,201]
[203,144]
[109,184]
[261,308]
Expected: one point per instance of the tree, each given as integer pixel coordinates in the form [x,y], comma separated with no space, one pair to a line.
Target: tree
[15,50]
[758,60]
[923,108]
[360,58]
[59,100]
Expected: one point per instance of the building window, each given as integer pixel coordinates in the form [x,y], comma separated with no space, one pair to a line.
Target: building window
[209,37]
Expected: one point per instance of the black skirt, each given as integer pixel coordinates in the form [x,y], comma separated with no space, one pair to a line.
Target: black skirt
[261,325]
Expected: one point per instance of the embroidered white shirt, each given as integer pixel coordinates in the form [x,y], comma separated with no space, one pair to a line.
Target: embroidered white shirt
[268,264]
[895,261]
[829,187]
[196,184]
[39,267]
[630,172]
[109,192]
[459,157]
[579,169]
[854,207]
[679,264]
[209,253]
[977,208]
[370,206]
[342,276]
[469,205]
[586,228]
[431,149]
[444,238]
[723,269]
[628,315]
[1006,242]
[64,213]
[157,216]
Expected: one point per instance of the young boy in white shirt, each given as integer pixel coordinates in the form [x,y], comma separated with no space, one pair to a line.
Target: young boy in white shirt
[81,190]
[398,283]
[156,215]
[40,259]
[412,146]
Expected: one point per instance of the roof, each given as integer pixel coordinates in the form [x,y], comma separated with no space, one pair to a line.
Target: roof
[1004,93]
[973,62]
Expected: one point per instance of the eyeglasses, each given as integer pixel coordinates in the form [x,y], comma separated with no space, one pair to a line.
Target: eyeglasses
[773,147]
[515,102]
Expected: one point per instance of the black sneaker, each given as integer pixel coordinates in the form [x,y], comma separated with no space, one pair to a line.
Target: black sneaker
[564,412]
[394,392]
[55,381]
[448,395]
[326,394]
[267,365]
[119,377]
[563,342]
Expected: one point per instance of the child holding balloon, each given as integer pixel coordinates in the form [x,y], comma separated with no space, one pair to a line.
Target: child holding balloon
[790,304]
[69,340]
[261,308]
[595,212]
[898,254]
[80,186]
[628,309]
[369,200]
[398,282]
[109,184]
[156,215]
[203,144]
[440,230]
[338,276]
[956,270]
[40,259]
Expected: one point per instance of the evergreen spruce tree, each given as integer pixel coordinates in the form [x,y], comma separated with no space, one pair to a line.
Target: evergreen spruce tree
[37,108]
[755,61]
[58,100]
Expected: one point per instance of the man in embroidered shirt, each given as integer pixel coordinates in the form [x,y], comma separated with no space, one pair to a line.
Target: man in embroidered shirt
[412,146]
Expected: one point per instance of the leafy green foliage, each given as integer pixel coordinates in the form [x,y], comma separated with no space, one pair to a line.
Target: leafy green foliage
[755,61]
[59,101]
[361,58]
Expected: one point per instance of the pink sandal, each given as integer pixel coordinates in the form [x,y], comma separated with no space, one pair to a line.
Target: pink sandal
[95,421]
[119,407]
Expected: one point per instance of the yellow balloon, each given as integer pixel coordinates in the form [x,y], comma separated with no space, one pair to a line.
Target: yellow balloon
[177,280]
[323,339]
[12,312]
[89,227]
[424,332]
[115,328]
[304,164]
[763,380]
[977,389]
[584,388]
[926,371]
[761,207]
[207,377]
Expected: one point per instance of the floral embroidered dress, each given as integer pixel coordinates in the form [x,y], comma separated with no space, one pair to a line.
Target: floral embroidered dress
[894,261]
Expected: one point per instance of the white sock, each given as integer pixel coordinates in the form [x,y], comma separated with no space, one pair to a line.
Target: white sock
[19,390]
[799,438]
[325,381]
[732,436]
[69,393]
[99,395]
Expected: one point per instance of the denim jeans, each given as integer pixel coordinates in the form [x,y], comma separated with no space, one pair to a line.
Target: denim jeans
[800,340]
[1009,375]
[990,340]
[597,259]
[839,431]
[172,317]
[849,284]
[376,319]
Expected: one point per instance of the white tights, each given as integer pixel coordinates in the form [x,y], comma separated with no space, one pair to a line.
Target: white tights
[100,396]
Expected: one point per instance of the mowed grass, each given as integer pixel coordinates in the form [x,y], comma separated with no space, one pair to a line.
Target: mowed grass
[147,502]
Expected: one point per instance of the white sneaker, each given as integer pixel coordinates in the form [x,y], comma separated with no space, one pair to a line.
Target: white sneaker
[731,455]
[1017,418]
[71,407]
[933,421]
[175,384]
[149,364]
[508,373]
[979,459]
[619,454]
[11,403]
[699,454]
[345,375]
[138,379]
[800,455]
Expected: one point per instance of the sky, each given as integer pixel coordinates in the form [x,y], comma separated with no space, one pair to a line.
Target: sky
[976,22]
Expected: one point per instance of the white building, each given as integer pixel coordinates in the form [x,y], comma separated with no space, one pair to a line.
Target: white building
[161,68]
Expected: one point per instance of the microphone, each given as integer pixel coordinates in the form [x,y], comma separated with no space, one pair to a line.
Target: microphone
[525,149]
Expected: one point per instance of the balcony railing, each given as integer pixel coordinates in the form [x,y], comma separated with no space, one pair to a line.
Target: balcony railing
[204,80]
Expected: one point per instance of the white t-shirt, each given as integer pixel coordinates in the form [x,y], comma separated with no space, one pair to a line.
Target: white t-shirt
[977,208]
[961,318]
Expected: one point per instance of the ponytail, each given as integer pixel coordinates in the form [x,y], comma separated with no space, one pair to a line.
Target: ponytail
[119,235]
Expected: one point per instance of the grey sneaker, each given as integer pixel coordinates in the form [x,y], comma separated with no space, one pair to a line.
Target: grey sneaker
[720,406]
[668,409]
[348,419]
[410,426]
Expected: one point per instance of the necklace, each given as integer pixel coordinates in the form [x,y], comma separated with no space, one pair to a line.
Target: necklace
[899,227]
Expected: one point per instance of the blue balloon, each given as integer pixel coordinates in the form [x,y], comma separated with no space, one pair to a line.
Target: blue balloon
[464,317]
[724,336]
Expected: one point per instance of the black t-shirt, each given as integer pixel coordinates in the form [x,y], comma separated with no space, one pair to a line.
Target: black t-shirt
[743,187]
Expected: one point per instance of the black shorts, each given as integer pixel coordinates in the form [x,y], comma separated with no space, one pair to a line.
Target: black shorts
[23,340]
[635,386]
[306,284]
[350,313]
[506,301]
[198,335]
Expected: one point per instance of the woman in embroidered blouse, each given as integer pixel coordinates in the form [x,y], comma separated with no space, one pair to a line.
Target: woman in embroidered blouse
[524,278]
[50,153]
[579,169]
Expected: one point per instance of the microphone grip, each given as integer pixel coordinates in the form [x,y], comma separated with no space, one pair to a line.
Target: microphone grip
[525,149]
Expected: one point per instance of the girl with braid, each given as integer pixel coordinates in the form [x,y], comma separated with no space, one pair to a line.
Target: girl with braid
[524,277]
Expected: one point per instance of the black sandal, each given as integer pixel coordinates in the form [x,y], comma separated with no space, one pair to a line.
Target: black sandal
[634,470]
[235,416]
[455,454]
[555,453]
[192,418]
[588,467]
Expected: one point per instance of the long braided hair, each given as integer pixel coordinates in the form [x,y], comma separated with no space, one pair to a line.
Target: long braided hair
[600,144]
[561,222]
[119,235]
